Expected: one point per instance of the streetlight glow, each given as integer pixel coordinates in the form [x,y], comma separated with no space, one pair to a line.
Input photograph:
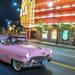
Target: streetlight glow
[15,4]
[18,9]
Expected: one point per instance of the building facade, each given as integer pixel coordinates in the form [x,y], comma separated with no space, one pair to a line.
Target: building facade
[50,20]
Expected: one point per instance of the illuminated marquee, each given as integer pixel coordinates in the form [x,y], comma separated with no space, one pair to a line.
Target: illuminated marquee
[25,13]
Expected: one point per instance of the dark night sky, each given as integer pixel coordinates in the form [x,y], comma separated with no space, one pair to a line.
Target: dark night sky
[8,11]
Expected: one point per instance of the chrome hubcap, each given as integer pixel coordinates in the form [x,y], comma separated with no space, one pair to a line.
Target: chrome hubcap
[16,65]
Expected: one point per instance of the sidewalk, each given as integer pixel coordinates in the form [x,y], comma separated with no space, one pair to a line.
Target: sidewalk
[51,44]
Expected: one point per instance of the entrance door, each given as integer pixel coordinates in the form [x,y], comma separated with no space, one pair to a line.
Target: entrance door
[33,34]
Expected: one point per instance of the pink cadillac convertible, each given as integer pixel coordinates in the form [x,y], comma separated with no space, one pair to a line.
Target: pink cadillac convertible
[19,53]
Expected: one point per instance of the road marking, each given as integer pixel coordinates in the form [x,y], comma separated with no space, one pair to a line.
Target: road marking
[63,65]
[65,55]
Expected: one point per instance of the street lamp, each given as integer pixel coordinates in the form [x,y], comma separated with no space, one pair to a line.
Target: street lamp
[15,4]
[18,9]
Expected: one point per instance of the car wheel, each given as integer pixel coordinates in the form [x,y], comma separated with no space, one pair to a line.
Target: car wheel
[16,65]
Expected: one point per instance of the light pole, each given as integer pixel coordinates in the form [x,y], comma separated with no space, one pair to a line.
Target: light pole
[72,34]
[58,26]
[50,4]
[30,26]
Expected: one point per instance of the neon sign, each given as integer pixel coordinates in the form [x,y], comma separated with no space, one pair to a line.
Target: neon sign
[65,35]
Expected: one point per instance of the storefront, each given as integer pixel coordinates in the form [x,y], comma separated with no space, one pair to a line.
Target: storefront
[55,13]
[54,34]
[44,35]
[52,13]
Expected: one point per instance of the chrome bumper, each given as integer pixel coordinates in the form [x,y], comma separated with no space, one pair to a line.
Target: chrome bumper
[36,61]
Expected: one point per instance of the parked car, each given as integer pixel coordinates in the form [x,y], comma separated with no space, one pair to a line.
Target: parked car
[16,50]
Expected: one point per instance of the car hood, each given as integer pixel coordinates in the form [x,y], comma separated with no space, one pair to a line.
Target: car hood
[23,49]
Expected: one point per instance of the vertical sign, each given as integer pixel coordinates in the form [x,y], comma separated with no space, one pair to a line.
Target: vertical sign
[65,35]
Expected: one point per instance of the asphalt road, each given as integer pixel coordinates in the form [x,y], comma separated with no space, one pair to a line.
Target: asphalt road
[62,55]
[63,63]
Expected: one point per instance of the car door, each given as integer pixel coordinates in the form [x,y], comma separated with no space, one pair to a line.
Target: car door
[4,53]
[1,51]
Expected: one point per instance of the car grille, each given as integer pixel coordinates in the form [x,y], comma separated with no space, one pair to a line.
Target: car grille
[39,58]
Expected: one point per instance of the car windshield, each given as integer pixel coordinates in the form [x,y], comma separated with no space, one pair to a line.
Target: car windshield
[17,40]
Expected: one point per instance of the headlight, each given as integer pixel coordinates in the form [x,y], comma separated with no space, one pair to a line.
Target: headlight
[50,51]
[27,55]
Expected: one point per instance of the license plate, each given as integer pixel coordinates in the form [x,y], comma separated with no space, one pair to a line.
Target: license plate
[44,62]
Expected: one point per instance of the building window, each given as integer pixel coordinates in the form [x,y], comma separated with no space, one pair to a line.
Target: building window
[44,35]
[54,34]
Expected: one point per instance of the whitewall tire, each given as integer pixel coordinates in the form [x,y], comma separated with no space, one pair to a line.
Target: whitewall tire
[16,65]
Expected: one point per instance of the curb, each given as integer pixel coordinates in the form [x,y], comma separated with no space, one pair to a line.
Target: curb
[53,44]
